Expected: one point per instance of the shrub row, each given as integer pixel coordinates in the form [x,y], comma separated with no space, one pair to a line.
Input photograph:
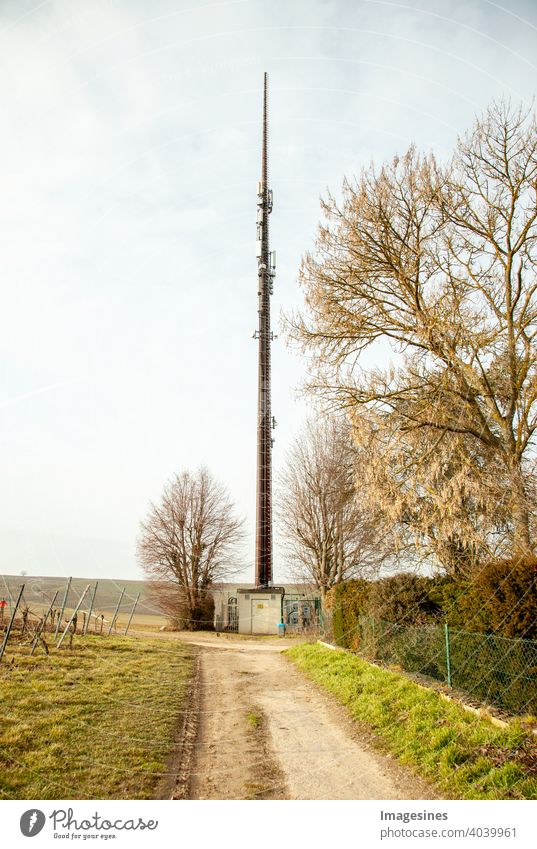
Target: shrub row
[500,599]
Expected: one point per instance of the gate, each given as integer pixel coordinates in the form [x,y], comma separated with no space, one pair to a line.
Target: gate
[232,618]
[301,613]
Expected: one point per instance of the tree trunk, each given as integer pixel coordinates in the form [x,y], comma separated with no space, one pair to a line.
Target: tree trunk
[522,546]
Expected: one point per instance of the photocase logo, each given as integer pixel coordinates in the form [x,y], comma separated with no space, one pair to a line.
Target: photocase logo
[32,822]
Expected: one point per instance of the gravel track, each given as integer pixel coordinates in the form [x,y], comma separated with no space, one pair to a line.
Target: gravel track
[265,732]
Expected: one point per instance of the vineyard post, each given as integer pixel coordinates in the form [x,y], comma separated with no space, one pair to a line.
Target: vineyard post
[74,613]
[10,625]
[114,617]
[42,625]
[90,608]
[132,613]
[60,617]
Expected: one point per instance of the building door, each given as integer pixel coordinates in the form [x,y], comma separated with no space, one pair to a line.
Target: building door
[263,615]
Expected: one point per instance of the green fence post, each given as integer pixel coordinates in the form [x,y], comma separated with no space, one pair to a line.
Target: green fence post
[448,658]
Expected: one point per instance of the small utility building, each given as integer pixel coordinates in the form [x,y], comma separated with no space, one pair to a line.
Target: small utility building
[266,610]
[260,610]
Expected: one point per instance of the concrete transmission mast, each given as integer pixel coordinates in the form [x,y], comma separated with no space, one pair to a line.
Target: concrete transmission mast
[266,270]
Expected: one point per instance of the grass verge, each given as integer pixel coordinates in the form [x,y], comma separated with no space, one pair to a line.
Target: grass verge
[93,722]
[464,756]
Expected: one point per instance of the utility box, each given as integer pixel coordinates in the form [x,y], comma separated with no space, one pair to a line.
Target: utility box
[260,610]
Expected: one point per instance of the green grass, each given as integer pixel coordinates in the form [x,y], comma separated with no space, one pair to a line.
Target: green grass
[92,722]
[463,755]
[254,719]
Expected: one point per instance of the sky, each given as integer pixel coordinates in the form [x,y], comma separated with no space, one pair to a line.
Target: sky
[130,149]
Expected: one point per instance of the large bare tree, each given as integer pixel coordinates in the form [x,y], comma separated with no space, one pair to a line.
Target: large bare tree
[188,542]
[328,536]
[439,262]
[439,498]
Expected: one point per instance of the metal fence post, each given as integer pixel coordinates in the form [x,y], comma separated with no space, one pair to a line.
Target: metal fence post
[114,617]
[11,621]
[63,607]
[132,613]
[74,613]
[448,655]
[90,610]
[42,626]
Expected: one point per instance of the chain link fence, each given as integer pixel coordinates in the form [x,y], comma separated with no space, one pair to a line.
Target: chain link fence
[494,670]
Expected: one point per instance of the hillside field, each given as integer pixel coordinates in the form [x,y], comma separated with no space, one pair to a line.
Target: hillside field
[39,591]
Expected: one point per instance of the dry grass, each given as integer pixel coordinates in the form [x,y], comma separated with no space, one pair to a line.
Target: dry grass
[92,722]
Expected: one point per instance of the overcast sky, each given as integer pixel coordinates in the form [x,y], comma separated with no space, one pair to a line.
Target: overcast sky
[130,148]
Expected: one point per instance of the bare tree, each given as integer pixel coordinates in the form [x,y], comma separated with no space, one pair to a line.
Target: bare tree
[327,534]
[189,541]
[440,263]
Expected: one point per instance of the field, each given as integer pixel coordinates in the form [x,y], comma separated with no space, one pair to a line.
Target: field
[465,756]
[39,591]
[96,721]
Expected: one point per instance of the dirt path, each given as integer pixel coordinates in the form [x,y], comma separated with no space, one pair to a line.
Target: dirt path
[265,732]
